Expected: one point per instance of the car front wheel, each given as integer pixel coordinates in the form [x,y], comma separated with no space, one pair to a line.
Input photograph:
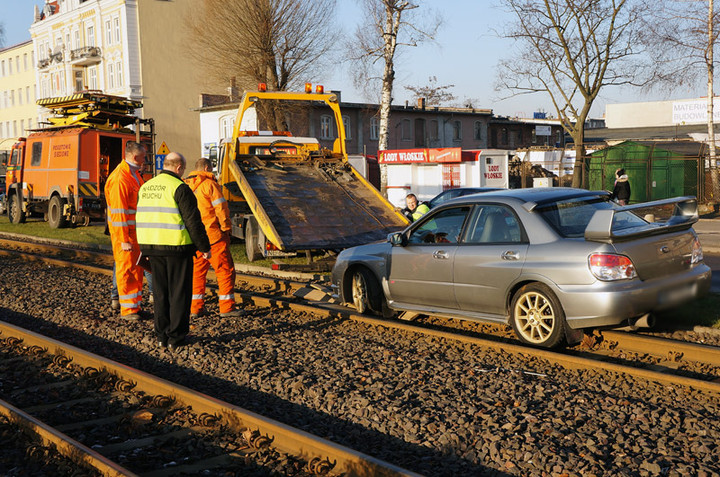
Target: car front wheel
[366,293]
[537,316]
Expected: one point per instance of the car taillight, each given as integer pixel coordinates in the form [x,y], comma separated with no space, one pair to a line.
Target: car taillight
[697,253]
[608,267]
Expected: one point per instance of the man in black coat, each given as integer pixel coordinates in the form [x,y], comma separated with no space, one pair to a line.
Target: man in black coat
[170,231]
[621,191]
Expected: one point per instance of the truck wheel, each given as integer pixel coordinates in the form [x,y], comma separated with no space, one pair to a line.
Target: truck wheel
[252,233]
[56,219]
[15,212]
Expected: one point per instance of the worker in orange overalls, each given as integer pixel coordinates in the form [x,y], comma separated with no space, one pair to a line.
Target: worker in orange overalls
[121,194]
[216,218]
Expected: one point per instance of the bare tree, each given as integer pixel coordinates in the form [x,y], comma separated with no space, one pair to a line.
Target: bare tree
[282,43]
[433,93]
[387,25]
[570,50]
[682,37]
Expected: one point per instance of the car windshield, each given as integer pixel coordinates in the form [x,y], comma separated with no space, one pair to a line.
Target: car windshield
[570,217]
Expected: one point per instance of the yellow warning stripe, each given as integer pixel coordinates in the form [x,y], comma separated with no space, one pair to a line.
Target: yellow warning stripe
[88,189]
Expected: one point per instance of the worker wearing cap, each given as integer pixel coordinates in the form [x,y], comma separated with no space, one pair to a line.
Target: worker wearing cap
[216,218]
[121,195]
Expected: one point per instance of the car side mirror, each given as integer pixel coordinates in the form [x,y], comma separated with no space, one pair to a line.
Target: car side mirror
[398,239]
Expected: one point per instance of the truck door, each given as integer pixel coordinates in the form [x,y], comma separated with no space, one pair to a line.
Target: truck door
[14,169]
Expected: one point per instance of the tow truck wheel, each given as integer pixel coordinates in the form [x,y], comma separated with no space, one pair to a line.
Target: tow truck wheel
[252,232]
[56,219]
[15,212]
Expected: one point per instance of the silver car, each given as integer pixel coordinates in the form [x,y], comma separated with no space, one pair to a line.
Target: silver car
[551,262]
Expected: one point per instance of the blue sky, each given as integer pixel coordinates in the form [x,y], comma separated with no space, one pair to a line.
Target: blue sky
[465,54]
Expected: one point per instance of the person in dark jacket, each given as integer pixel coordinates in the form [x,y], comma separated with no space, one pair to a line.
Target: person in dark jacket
[170,231]
[621,191]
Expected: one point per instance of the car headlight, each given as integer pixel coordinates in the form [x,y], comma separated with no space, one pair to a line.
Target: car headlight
[697,253]
[609,267]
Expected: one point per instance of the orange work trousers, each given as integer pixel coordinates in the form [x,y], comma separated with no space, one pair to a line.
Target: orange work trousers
[222,262]
[129,278]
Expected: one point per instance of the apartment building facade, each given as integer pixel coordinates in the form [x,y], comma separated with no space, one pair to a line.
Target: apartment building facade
[18,112]
[128,48]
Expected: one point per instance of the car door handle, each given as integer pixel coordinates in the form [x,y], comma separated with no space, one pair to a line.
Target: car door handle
[510,255]
[441,255]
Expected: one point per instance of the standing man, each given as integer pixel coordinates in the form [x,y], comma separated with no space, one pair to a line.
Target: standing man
[170,230]
[121,193]
[216,218]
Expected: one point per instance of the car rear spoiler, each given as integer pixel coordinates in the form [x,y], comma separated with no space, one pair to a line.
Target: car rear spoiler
[684,215]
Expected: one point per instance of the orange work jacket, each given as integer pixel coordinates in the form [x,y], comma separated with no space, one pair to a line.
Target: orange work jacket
[121,195]
[213,207]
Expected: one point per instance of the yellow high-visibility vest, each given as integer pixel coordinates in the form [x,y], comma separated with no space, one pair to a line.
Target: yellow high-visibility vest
[158,220]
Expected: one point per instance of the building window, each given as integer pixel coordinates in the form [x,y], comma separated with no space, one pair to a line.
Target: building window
[2,68]
[118,74]
[504,136]
[90,35]
[374,129]
[9,66]
[108,33]
[12,97]
[76,34]
[22,127]
[558,137]
[478,130]
[29,123]
[457,131]
[346,126]
[25,62]
[17,64]
[2,129]
[111,76]
[27,94]
[405,132]
[533,133]
[226,126]
[20,102]
[92,78]
[116,24]
[325,127]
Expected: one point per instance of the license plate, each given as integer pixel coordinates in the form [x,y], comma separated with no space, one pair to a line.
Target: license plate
[279,253]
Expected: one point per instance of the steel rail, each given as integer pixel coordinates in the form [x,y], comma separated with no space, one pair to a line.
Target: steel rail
[64,444]
[664,348]
[567,360]
[285,438]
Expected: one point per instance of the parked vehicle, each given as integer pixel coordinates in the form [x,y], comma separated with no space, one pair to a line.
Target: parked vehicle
[59,172]
[288,193]
[449,194]
[550,262]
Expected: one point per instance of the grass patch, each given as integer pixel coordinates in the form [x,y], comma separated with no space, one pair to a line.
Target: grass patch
[37,227]
[95,234]
[702,312]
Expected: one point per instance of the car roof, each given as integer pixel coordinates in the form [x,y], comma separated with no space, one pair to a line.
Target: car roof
[538,195]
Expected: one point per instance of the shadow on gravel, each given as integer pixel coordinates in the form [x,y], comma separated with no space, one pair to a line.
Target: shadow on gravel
[148,357]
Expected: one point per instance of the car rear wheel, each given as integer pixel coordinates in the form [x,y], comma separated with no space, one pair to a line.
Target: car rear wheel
[366,293]
[537,316]
[15,212]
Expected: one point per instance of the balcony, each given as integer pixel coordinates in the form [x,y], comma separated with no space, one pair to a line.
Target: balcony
[87,55]
[44,63]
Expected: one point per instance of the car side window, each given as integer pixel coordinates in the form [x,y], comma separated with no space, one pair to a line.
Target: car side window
[493,224]
[443,227]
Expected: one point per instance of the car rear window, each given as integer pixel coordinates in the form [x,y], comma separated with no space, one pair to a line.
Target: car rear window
[570,217]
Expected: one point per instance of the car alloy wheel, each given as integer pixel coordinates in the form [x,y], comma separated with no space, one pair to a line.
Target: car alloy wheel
[365,292]
[537,316]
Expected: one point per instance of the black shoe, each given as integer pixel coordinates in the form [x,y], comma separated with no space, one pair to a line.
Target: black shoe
[176,346]
[162,342]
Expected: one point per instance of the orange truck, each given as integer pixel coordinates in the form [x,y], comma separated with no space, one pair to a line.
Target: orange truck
[59,172]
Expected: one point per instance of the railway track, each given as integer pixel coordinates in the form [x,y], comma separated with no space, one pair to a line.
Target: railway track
[656,359]
[118,420]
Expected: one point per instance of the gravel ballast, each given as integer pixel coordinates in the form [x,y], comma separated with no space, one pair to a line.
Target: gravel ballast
[436,407]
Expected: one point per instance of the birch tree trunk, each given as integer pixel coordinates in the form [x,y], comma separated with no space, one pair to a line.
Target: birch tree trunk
[714,176]
[392,24]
